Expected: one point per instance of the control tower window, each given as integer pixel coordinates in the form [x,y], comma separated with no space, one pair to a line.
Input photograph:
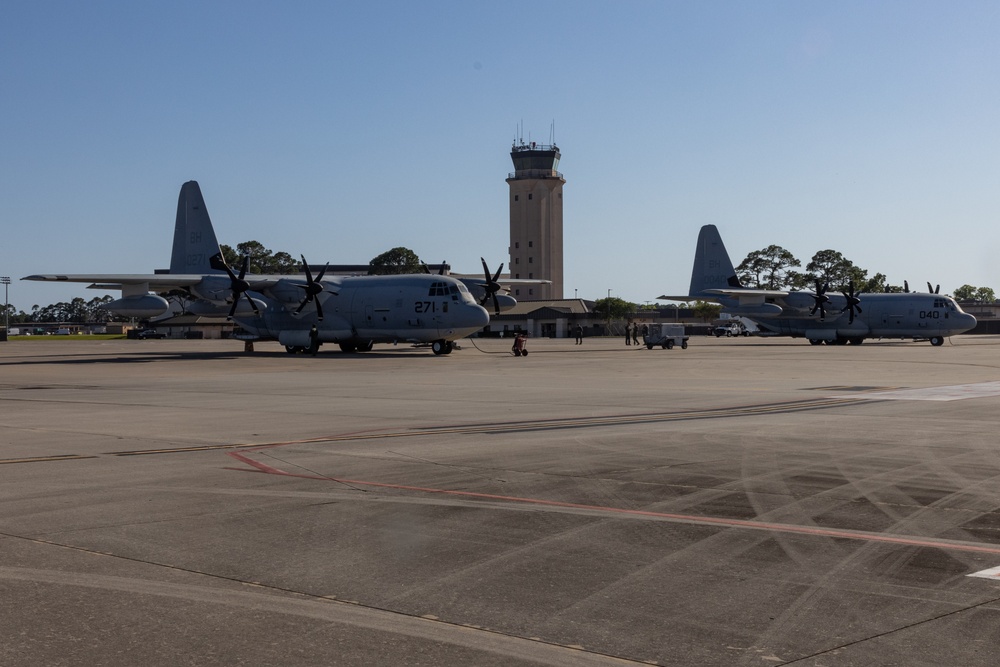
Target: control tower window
[530,243]
[529,195]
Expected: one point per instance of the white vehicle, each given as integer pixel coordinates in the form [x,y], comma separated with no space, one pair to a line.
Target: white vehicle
[664,334]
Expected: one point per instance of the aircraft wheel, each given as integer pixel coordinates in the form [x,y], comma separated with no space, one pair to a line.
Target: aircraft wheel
[348,347]
[292,349]
[937,341]
[815,341]
[649,346]
[439,347]
[856,340]
[838,341]
[366,346]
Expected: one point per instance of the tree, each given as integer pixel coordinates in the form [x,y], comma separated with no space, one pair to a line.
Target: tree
[965,293]
[395,262]
[767,268]
[985,295]
[707,310]
[831,268]
[977,294]
[262,260]
[613,308]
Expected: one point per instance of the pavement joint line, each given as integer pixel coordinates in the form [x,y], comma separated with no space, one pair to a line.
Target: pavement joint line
[514,427]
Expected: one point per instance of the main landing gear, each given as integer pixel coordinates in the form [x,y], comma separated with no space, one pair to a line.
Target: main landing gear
[442,347]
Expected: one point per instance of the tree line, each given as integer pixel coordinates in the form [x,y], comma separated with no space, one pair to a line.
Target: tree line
[774,268]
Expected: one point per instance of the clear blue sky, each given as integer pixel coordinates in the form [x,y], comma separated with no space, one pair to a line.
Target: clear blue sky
[340,130]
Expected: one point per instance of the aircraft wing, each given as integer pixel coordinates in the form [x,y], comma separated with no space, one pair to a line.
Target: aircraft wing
[160,282]
[156,282]
[741,294]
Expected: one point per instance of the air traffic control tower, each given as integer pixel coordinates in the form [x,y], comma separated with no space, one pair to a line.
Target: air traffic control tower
[536,220]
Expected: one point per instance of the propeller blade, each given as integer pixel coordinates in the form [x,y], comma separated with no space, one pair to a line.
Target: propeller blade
[852,303]
[305,268]
[821,300]
[252,304]
[491,286]
[906,287]
[313,287]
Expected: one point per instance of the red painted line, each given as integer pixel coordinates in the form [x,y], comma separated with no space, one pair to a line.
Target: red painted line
[681,518]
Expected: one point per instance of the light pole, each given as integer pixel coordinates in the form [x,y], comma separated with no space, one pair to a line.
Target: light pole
[6,305]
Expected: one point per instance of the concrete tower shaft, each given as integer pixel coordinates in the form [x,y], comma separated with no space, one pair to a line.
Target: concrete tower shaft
[536,220]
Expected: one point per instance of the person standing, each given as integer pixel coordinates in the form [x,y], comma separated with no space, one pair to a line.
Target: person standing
[579,334]
[635,333]
[628,332]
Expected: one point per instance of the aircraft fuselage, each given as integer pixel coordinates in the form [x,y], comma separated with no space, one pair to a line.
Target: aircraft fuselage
[379,309]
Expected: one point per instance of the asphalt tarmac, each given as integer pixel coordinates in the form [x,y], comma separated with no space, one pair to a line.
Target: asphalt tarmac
[742,502]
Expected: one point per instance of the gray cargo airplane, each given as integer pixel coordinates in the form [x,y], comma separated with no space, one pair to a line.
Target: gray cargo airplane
[821,317]
[302,311]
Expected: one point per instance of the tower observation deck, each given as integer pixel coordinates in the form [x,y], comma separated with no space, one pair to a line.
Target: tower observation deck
[536,220]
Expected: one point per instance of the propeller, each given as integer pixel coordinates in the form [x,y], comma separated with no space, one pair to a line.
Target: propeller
[491,286]
[852,302]
[237,284]
[821,300]
[906,287]
[935,290]
[440,271]
[313,288]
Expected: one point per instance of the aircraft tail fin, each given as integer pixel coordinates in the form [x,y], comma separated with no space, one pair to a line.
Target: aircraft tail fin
[194,238]
[712,267]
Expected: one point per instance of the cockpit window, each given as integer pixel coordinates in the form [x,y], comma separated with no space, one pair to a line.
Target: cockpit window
[438,289]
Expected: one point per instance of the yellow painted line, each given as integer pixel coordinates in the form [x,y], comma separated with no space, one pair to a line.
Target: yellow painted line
[40,459]
[175,450]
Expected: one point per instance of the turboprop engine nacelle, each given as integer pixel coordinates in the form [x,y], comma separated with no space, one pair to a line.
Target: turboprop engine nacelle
[143,305]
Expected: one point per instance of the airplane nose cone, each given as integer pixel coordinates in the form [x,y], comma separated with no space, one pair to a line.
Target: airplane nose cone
[480,317]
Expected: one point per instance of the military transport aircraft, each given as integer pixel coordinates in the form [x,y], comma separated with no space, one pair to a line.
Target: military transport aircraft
[301,311]
[821,316]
